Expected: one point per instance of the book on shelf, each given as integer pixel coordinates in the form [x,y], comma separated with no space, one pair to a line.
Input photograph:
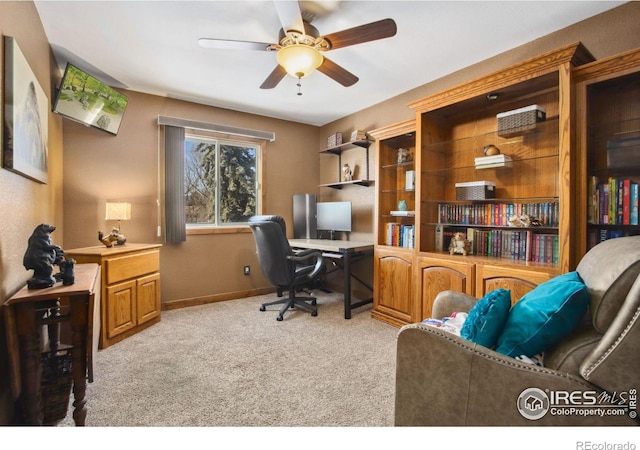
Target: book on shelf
[633,201]
[471,235]
[399,235]
[612,202]
[497,214]
[517,244]
[626,201]
[598,235]
[403,213]
[486,162]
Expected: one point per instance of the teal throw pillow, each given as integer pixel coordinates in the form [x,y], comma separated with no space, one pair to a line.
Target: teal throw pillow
[487,318]
[544,316]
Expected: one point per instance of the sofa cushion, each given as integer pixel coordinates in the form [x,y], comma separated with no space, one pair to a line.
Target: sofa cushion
[544,316]
[487,318]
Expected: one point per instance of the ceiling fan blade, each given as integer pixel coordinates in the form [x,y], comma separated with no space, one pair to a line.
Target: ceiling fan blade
[227,44]
[364,33]
[274,78]
[290,15]
[337,73]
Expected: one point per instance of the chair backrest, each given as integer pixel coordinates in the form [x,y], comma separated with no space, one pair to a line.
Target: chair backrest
[611,272]
[273,249]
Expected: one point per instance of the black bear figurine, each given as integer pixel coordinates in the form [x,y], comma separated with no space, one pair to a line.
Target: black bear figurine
[41,256]
[66,271]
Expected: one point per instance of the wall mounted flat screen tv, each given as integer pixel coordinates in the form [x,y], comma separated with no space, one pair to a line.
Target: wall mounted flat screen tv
[89,101]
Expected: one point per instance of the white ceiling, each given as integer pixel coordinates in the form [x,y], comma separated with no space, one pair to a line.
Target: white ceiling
[152,47]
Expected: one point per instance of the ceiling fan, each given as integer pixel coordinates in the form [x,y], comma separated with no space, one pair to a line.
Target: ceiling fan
[301,47]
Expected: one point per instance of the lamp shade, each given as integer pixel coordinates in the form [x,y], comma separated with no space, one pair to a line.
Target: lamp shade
[118,211]
[299,60]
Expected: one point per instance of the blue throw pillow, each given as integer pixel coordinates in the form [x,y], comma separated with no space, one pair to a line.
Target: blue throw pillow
[487,318]
[544,316]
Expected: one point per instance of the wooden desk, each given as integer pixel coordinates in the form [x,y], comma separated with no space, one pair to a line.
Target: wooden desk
[24,320]
[345,252]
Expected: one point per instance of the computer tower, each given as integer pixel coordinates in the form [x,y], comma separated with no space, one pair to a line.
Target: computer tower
[304,216]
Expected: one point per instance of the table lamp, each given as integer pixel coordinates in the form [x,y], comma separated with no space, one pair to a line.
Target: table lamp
[118,211]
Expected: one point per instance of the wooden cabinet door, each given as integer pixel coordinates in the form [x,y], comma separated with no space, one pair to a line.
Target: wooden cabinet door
[436,275]
[393,295]
[518,281]
[120,308]
[148,297]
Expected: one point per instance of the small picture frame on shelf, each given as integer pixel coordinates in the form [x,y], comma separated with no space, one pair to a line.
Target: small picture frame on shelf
[410,180]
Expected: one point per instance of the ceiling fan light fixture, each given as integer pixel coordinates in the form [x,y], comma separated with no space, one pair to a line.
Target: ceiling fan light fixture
[299,60]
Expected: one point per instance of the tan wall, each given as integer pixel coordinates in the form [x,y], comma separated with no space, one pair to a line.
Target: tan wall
[606,34]
[24,203]
[101,167]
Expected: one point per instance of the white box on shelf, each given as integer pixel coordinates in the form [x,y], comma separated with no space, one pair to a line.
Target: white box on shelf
[403,213]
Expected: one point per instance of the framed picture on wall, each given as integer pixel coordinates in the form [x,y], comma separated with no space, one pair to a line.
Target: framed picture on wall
[26,114]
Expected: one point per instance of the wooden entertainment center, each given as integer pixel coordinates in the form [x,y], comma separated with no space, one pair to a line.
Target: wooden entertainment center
[546,173]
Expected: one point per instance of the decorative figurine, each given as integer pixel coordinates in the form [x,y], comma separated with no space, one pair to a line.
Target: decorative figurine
[523,221]
[459,244]
[67,274]
[346,173]
[490,150]
[41,255]
[113,238]
[404,155]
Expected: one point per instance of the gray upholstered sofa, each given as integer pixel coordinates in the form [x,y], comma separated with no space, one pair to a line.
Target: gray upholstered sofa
[443,379]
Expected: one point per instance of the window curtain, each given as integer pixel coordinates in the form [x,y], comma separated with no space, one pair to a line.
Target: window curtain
[175,226]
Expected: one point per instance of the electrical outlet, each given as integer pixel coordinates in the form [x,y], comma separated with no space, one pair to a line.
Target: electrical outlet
[247,270]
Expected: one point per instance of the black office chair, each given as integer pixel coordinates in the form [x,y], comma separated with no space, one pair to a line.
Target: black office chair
[288,271]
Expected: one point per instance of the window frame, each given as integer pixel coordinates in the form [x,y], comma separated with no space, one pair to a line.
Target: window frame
[260,146]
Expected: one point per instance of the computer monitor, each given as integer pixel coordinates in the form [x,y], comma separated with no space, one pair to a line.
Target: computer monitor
[333,216]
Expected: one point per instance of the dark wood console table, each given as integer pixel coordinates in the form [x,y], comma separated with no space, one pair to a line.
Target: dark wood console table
[27,312]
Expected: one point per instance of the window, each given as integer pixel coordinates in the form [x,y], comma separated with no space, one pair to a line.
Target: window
[221,181]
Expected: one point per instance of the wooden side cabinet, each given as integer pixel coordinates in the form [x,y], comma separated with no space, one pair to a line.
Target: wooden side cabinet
[130,287]
[392,296]
[518,281]
[441,274]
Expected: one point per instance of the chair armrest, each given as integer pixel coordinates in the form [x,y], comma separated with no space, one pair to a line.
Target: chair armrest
[306,255]
[445,380]
[448,302]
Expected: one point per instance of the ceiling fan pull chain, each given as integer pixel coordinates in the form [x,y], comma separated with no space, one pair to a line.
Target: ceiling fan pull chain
[299,84]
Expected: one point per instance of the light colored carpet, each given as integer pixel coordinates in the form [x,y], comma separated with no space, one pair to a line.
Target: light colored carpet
[227,364]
